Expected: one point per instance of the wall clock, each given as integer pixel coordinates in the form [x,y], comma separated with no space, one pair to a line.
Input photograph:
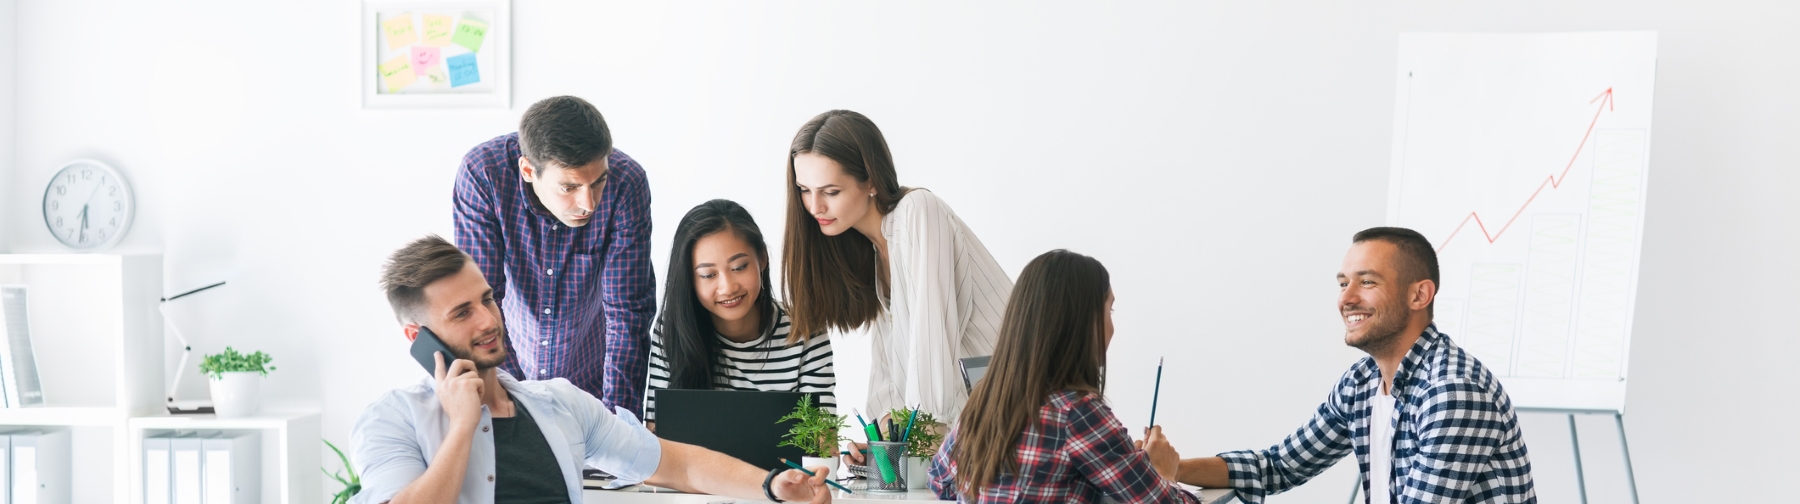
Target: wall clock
[88,205]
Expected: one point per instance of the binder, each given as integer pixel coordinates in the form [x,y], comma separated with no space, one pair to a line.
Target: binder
[40,467]
[156,469]
[17,360]
[231,464]
[185,487]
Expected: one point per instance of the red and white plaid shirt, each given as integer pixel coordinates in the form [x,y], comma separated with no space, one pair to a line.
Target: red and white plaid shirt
[1076,453]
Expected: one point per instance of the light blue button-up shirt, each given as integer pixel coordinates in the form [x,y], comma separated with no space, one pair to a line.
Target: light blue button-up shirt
[399,435]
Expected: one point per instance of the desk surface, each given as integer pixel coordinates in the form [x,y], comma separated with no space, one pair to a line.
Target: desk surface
[651,495]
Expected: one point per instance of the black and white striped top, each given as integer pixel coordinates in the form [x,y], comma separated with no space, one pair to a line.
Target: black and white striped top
[767,363]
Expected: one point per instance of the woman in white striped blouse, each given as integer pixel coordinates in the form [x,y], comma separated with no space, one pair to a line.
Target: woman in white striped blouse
[862,250]
[720,327]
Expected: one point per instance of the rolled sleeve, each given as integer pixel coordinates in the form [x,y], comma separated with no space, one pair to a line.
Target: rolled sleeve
[384,452]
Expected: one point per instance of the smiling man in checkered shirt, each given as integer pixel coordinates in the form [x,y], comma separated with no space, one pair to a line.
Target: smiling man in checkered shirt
[1427,422]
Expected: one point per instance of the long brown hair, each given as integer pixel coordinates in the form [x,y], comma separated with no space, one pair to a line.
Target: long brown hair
[1053,338]
[836,281]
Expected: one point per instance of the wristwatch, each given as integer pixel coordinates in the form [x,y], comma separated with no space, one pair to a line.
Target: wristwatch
[769,491]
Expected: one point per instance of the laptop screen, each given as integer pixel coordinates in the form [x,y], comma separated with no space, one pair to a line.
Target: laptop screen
[973,368]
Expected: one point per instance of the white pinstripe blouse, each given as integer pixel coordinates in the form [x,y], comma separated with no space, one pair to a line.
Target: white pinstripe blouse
[946,299]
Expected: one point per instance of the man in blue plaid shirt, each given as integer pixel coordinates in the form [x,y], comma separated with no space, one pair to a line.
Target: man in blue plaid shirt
[1427,422]
[559,223]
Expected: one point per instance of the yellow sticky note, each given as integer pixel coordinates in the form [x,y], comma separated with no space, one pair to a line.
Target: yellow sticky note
[438,30]
[400,31]
[397,73]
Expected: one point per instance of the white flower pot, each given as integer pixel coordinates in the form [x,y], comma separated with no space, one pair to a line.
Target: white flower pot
[830,463]
[918,473]
[234,394]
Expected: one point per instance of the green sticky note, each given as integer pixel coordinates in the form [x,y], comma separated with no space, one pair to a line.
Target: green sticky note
[470,33]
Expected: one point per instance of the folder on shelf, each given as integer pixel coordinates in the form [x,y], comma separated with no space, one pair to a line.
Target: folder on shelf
[231,466]
[156,469]
[184,451]
[40,466]
[17,361]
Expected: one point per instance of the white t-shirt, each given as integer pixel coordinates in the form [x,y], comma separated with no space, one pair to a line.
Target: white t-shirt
[1381,449]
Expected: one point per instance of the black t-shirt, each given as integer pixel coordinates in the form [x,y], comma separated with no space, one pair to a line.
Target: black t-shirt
[525,469]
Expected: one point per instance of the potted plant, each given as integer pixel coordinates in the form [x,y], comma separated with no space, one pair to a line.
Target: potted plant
[923,439]
[235,380]
[352,485]
[815,432]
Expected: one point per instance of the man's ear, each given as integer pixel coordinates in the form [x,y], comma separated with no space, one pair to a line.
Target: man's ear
[1421,294]
[526,171]
[411,330]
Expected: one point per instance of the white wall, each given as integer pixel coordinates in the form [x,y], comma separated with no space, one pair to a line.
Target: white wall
[9,28]
[1216,156]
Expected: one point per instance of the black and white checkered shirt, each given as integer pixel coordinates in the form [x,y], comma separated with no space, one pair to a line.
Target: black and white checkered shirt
[1456,437]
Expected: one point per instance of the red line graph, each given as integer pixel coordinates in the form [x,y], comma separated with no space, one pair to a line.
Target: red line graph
[1552,181]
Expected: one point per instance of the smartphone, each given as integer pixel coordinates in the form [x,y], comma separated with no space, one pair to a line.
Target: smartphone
[427,344]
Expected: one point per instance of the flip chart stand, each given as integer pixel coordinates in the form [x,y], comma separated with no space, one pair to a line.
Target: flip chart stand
[1574,445]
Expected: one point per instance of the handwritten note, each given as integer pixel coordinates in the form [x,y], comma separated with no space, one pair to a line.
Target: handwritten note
[462,70]
[438,30]
[424,58]
[400,31]
[397,73]
[469,33]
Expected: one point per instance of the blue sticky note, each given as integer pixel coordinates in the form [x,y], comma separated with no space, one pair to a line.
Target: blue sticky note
[462,70]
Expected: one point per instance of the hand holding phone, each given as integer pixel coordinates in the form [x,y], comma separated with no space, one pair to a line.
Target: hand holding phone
[426,344]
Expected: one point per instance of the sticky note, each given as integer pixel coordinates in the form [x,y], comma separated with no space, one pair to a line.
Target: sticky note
[423,58]
[469,33]
[436,76]
[400,31]
[438,30]
[462,70]
[397,73]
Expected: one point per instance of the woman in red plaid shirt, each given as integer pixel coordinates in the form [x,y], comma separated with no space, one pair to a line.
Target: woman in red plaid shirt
[1035,428]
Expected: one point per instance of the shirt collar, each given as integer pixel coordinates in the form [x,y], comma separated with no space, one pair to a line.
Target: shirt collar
[1428,341]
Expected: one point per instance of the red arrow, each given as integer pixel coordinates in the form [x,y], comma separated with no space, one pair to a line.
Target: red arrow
[1553,181]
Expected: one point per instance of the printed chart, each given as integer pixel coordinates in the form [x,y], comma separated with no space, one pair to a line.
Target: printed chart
[1524,158]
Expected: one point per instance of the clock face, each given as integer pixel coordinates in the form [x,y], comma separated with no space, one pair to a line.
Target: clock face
[88,205]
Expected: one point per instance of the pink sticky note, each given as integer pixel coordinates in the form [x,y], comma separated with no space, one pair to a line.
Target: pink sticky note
[424,58]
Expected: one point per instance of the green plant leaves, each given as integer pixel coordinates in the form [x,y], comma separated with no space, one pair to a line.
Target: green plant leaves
[352,485]
[230,361]
[816,430]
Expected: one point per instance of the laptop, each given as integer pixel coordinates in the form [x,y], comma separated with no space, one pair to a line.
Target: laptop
[973,368]
[738,423]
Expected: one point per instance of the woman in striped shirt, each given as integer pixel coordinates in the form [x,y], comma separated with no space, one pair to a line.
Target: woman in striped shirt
[720,328]
[863,251]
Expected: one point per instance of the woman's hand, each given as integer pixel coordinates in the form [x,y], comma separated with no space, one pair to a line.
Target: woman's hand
[796,486]
[1162,455]
[855,457]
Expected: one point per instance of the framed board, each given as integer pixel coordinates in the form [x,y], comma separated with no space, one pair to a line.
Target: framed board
[436,54]
[1524,159]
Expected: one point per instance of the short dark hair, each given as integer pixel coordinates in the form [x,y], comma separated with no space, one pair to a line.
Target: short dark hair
[563,130]
[415,266]
[1418,261]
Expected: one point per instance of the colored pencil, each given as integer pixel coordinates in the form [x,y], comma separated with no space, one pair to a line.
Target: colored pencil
[907,434]
[1157,393]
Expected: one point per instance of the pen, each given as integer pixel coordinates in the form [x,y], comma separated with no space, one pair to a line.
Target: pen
[1156,394]
[873,432]
[803,470]
[907,434]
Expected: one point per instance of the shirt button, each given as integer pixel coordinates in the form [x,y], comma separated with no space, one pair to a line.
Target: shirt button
[484,428]
[545,342]
[546,311]
[550,271]
[543,372]
[490,478]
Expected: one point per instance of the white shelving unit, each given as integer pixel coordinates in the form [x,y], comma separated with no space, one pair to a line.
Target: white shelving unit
[98,340]
[290,448]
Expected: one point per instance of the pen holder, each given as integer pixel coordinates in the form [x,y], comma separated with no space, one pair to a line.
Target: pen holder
[888,461]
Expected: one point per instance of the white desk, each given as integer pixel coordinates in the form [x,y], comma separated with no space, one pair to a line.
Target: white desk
[651,495]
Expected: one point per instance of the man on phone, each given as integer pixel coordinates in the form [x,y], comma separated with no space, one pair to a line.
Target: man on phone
[472,434]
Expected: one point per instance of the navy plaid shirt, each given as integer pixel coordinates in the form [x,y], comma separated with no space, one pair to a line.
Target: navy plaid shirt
[578,301]
[1076,452]
[1456,437]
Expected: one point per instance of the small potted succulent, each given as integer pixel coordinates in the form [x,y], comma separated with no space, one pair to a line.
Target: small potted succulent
[923,439]
[235,380]
[815,432]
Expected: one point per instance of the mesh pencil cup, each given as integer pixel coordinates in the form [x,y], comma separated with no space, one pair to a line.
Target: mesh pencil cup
[887,471]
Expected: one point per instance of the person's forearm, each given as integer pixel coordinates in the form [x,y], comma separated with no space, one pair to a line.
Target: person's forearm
[1205,472]
[694,469]
[443,479]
